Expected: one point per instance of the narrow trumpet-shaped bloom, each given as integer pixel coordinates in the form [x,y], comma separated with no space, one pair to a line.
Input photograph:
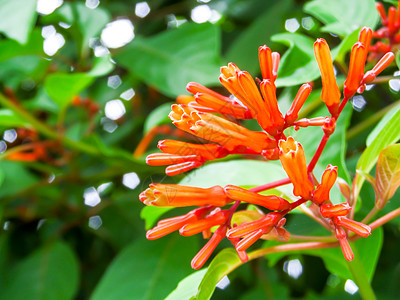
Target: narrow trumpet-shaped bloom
[301,96]
[321,193]
[344,244]
[167,226]
[218,217]
[274,124]
[271,202]
[291,155]
[183,156]
[265,223]
[329,211]
[265,58]
[205,252]
[330,90]
[179,195]
[228,134]
[208,99]
[275,63]
[356,69]
[205,151]
[385,61]
[357,227]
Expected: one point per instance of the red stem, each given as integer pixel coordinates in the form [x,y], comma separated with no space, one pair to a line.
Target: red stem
[318,153]
[270,185]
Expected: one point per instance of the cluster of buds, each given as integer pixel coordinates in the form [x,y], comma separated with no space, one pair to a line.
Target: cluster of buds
[389,32]
[88,104]
[214,120]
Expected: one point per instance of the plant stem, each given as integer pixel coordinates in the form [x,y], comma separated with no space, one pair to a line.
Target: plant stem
[360,278]
[386,218]
[270,185]
[318,153]
[52,134]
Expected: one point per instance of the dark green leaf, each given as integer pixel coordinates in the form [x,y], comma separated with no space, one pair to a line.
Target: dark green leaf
[17,18]
[342,17]
[172,59]
[298,64]
[62,87]
[146,270]
[90,22]
[10,49]
[243,51]
[49,273]
[17,178]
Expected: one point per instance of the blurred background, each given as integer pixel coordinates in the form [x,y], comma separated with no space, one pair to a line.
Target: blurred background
[86,87]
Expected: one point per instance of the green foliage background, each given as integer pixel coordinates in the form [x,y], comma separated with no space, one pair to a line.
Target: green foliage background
[47,248]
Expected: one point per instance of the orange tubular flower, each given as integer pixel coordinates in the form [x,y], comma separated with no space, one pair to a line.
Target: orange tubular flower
[208,100]
[217,217]
[242,86]
[356,69]
[252,231]
[167,226]
[184,156]
[385,61]
[265,58]
[330,211]
[344,244]
[321,193]
[205,252]
[357,227]
[301,96]
[176,195]
[293,160]
[330,90]
[275,63]
[271,202]
[228,134]
[274,124]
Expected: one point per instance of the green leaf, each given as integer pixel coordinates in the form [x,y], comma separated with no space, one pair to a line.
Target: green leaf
[17,18]
[243,51]
[341,17]
[9,119]
[90,22]
[298,64]
[171,59]
[62,87]
[224,263]
[388,172]
[10,48]
[389,134]
[49,273]
[382,123]
[398,59]
[150,214]
[146,270]
[157,117]
[187,287]
[17,178]
[238,172]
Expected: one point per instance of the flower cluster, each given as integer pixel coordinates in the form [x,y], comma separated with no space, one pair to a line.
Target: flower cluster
[389,32]
[215,120]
